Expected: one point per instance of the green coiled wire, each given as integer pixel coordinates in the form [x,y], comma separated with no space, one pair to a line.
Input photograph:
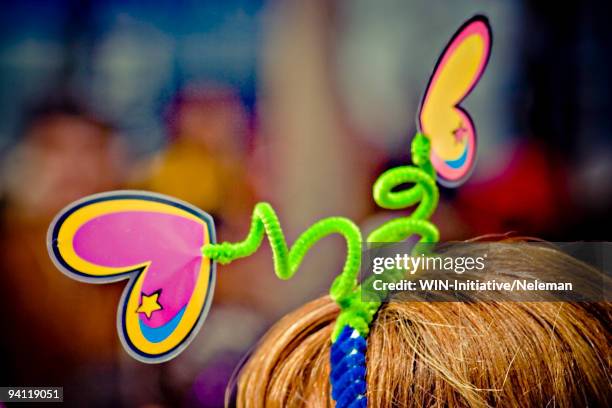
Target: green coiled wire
[345,290]
[287,260]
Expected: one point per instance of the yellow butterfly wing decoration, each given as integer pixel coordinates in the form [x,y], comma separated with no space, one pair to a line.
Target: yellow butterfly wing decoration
[448,126]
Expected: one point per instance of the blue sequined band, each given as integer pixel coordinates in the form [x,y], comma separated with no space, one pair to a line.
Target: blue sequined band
[348,369]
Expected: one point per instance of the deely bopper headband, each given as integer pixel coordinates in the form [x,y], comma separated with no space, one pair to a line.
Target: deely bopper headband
[167,248]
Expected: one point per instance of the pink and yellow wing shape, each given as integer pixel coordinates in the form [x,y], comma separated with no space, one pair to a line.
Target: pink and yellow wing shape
[447,125]
[156,242]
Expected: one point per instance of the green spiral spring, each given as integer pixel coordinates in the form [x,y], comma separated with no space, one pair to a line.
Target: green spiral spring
[345,290]
[287,260]
[424,192]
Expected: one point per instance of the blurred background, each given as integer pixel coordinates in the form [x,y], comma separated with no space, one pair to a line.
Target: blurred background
[300,103]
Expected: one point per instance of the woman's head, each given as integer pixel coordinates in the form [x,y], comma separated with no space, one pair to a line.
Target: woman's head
[474,354]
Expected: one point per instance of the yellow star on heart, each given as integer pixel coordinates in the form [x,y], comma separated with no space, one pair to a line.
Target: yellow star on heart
[149,304]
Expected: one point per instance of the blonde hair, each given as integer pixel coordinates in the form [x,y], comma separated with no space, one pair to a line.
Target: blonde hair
[474,354]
